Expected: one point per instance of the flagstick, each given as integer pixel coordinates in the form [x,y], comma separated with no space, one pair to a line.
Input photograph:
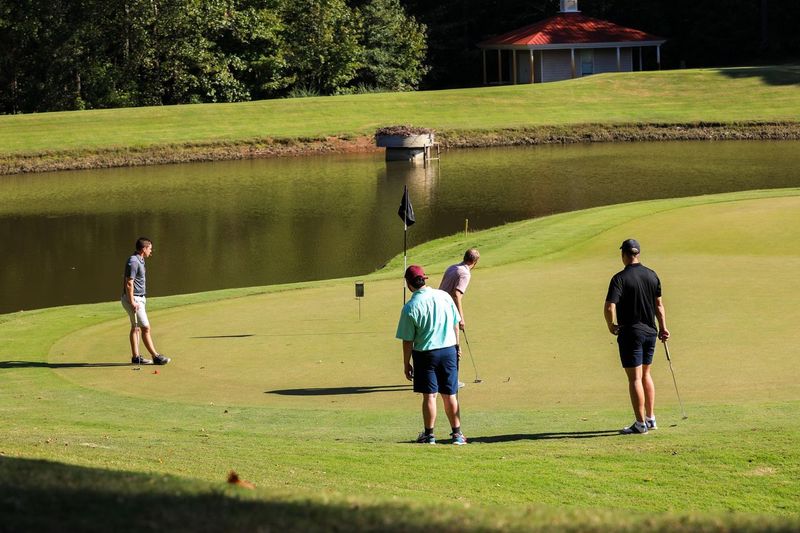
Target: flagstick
[405,241]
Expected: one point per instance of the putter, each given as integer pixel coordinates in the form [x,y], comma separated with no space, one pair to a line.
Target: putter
[136,325]
[469,349]
[683,411]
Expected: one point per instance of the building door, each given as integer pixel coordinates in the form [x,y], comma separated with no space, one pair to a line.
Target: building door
[523,66]
[587,62]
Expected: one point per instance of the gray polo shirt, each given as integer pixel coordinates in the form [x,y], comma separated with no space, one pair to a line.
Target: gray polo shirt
[134,268]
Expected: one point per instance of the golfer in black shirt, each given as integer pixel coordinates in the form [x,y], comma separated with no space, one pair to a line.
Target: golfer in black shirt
[634,299]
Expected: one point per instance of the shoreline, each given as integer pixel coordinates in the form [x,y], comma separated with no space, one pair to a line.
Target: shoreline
[269,147]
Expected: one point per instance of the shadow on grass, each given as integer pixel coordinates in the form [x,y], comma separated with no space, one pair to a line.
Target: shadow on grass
[772,75]
[315,334]
[547,436]
[239,336]
[40,495]
[43,364]
[45,496]
[333,391]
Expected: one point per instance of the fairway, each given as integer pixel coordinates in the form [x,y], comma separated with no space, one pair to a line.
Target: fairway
[290,388]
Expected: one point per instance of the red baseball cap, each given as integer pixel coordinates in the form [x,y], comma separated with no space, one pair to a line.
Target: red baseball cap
[415,271]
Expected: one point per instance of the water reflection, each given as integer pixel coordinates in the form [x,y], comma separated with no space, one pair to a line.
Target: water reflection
[242,223]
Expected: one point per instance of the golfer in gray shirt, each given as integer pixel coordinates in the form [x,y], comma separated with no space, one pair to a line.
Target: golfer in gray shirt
[134,301]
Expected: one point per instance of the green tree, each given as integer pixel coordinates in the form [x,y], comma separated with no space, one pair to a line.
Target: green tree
[395,47]
[323,43]
[248,32]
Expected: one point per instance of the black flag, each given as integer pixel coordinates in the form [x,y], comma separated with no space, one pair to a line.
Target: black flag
[406,211]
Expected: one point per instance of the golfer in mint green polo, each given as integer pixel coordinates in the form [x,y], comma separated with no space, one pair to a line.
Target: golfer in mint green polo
[428,327]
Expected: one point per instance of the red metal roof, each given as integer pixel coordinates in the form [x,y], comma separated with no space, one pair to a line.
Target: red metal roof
[569,28]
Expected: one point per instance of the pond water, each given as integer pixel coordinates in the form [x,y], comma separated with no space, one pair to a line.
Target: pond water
[67,235]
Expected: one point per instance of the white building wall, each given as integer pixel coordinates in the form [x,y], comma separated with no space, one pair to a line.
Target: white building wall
[605,60]
[556,65]
[626,59]
[523,66]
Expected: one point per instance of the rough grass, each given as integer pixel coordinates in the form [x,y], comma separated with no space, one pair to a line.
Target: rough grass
[312,408]
[751,103]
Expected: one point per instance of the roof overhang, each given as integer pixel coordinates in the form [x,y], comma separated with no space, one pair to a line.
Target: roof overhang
[568,46]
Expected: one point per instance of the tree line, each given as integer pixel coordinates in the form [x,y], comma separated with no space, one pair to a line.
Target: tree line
[80,54]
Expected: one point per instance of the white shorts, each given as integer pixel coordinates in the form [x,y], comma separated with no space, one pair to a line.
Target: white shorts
[139,318]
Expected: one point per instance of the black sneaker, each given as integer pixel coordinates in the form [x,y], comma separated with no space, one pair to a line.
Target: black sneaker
[422,438]
[634,429]
[139,360]
[161,360]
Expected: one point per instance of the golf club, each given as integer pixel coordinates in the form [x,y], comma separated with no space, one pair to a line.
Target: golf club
[683,412]
[136,334]
[469,349]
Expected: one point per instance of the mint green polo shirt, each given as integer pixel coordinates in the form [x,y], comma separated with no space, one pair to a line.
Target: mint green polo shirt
[428,319]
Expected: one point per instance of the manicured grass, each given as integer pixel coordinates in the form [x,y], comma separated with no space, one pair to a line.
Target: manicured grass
[685,96]
[313,408]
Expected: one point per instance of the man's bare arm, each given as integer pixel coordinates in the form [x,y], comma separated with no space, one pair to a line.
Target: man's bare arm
[609,312]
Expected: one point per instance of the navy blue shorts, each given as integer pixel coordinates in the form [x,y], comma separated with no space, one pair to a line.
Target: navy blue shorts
[636,347]
[436,371]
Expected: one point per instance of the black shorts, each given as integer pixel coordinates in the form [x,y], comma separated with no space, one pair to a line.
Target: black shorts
[636,347]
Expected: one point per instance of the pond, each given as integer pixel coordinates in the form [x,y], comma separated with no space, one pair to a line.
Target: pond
[219,225]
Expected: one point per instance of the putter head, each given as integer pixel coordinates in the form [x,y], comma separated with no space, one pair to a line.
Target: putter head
[478,381]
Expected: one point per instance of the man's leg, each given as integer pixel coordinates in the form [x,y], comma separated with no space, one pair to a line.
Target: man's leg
[429,410]
[148,341]
[649,392]
[134,338]
[636,390]
[451,409]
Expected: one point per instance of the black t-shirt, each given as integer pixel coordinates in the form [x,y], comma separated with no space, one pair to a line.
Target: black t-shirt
[634,290]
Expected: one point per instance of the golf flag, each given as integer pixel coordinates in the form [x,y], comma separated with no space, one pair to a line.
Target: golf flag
[406,211]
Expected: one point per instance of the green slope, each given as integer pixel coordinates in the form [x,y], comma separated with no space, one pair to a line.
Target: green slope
[715,95]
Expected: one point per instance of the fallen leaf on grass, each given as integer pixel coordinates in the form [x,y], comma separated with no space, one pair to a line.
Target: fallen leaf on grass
[234,479]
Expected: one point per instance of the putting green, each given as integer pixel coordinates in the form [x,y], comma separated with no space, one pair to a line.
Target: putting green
[730,276]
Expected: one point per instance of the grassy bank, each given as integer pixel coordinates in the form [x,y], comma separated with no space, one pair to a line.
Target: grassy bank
[754,102]
[289,388]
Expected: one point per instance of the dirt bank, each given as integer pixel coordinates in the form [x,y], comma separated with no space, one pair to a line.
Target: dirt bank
[259,148]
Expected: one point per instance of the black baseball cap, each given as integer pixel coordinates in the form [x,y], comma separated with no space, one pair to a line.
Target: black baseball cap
[630,246]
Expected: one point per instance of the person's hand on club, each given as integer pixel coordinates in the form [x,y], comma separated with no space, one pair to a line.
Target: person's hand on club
[461,325]
[409,371]
[663,335]
[613,329]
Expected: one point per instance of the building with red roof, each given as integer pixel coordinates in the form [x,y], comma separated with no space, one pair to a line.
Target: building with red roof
[565,46]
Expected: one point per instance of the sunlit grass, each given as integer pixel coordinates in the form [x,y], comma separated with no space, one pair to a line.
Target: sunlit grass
[711,95]
[313,408]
